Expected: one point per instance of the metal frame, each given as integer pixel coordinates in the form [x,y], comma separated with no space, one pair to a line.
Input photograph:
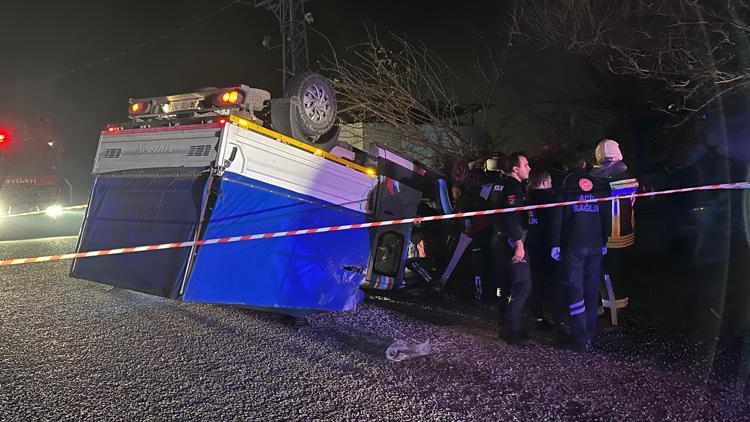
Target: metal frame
[291,16]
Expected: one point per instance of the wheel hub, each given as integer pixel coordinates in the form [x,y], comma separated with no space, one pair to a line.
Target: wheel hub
[317,103]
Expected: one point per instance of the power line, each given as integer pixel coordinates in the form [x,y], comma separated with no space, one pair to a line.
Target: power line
[139,47]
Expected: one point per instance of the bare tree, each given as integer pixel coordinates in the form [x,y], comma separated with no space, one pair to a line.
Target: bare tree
[417,97]
[693,51]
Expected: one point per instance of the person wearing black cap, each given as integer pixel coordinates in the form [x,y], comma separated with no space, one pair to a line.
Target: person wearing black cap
[579,239]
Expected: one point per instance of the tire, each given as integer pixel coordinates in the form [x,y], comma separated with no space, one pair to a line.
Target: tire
[313,104]
[458,171]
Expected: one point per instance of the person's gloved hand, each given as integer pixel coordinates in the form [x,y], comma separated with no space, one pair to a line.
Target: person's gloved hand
[555,254]
[604,251]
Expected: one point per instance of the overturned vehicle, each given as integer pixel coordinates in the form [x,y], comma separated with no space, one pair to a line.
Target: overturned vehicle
[220,163]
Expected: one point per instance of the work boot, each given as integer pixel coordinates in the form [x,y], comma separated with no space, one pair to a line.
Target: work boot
[449,297]
[437,288]
[517,338]
[583,347]
[543,325]
[563,336]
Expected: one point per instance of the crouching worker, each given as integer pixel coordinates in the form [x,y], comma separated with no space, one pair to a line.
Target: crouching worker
[579,240]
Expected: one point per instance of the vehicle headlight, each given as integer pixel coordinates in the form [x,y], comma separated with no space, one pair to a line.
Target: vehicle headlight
[54,211]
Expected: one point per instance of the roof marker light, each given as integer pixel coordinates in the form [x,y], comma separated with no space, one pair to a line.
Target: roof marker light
[232,97]
[229,97]
[243,123]
[138,107]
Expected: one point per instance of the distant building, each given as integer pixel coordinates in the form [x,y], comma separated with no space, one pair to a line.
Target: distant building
[362,134]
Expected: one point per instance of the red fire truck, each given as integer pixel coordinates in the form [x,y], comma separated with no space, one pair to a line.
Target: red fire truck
[29,169]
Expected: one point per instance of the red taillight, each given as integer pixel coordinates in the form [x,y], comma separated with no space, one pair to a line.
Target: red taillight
[138,107]
[113,128]
[231,97]
[5,136]
[221,120]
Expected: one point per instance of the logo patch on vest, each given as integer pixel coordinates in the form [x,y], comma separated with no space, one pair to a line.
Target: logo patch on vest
[585,184]
[512,199]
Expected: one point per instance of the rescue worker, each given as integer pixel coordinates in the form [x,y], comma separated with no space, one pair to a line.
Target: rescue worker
[425,237]
[579,240]
[538,245]
[611,169]
[508,247]
[478,229]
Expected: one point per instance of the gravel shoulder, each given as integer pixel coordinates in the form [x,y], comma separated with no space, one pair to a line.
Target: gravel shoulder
[74,349]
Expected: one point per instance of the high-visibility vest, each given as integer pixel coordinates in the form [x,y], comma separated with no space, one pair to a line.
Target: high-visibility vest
[623,214]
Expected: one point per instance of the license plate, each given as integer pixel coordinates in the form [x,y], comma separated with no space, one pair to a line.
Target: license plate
[183,105]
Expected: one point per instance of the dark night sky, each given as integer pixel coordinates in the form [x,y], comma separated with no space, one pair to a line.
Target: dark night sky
[77,63]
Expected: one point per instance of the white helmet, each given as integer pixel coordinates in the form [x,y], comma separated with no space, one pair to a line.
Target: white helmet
[492,164]
[608,150]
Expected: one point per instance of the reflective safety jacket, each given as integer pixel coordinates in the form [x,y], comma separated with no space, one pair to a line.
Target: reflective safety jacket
[621,182]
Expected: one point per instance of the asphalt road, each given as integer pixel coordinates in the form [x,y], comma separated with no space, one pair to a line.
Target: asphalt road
[37,226]
[74,349]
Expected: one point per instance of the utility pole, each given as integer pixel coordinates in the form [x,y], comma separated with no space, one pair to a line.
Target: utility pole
[292,20]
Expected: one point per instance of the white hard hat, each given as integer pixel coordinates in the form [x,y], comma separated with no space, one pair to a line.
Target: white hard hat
[608,150]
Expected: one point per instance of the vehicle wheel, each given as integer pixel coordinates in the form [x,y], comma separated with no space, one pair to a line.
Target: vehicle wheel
[313,104]
[459,171]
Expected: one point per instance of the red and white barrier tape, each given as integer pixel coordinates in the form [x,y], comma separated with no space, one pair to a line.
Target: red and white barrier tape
[23,214]
[17,261]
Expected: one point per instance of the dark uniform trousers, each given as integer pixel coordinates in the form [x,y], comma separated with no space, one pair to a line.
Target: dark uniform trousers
[581,270]
[613,265]
[515,285]
[481,260]
[543,276]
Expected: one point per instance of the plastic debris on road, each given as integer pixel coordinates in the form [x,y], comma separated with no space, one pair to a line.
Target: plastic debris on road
[402,350]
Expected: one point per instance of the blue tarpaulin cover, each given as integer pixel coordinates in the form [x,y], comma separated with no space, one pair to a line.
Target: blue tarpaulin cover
[133,210]
[295,274]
